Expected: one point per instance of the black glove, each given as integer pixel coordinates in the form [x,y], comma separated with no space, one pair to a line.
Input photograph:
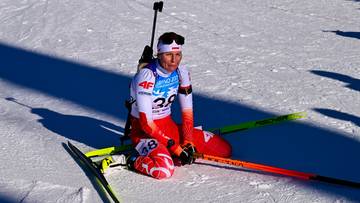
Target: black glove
[187,155]
[147,55]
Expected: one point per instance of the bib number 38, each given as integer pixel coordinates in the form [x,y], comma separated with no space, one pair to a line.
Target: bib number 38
[162,102]
[146,146]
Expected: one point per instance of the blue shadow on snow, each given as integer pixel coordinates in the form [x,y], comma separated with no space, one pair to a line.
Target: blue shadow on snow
[90,131]
[7,199]
[93,132]
[339,115]
[355,35]
[352,83]
[295,145]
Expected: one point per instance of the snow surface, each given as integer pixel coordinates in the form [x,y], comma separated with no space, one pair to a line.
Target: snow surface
[66,65]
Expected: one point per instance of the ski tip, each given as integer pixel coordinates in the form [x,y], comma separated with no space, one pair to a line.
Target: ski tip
[297,115]
[303,114]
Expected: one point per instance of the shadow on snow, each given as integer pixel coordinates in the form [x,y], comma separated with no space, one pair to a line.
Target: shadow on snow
[93,132]
[355,35]
[339,115]
[294,145]
[352,83]
[6,199]
[90,131]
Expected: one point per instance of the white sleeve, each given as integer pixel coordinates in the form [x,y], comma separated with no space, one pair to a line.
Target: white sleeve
[184,77]
[185,100]
[144,85]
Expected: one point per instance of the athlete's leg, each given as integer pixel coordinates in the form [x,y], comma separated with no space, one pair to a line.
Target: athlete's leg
[211,144]
[154,159]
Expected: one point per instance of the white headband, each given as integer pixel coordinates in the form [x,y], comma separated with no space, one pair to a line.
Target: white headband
[162,48]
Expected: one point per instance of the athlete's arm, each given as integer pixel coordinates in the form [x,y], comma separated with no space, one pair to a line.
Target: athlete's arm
[186,105]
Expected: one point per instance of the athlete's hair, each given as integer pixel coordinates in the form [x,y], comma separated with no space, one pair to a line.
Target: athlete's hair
[169,37]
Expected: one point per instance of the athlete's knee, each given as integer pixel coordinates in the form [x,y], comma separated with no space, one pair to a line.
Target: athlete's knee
[160,166]
[226,150]
[215,145]
[163,167]
[223,148]
[162,174]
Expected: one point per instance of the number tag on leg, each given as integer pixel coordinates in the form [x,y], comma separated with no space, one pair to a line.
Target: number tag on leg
[145,146]
[207,136]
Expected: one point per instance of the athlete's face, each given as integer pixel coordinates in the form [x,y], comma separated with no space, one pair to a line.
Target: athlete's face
[170,60]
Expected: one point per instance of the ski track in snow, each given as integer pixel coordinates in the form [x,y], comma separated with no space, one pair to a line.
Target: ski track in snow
[64,75]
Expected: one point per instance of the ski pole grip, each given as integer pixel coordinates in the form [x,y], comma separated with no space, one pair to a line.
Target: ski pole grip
[158,6]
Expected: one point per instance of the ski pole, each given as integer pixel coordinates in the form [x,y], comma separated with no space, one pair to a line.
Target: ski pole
[158,6]
[276,170]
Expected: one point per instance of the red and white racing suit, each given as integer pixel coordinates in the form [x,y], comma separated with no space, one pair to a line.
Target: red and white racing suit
[154,90]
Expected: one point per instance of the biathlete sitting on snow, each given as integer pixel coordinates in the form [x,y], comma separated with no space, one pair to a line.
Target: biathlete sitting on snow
[156,137]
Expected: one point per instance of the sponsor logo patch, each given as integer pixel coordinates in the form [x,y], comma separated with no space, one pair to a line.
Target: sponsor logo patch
[146,84]
[207,136]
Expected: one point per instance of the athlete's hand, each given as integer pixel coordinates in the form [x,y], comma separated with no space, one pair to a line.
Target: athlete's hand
[187,155]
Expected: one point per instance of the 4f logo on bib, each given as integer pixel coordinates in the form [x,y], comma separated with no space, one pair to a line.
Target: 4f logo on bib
[146,85]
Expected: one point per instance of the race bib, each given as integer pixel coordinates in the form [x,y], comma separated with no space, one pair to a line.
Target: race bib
[146,146]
